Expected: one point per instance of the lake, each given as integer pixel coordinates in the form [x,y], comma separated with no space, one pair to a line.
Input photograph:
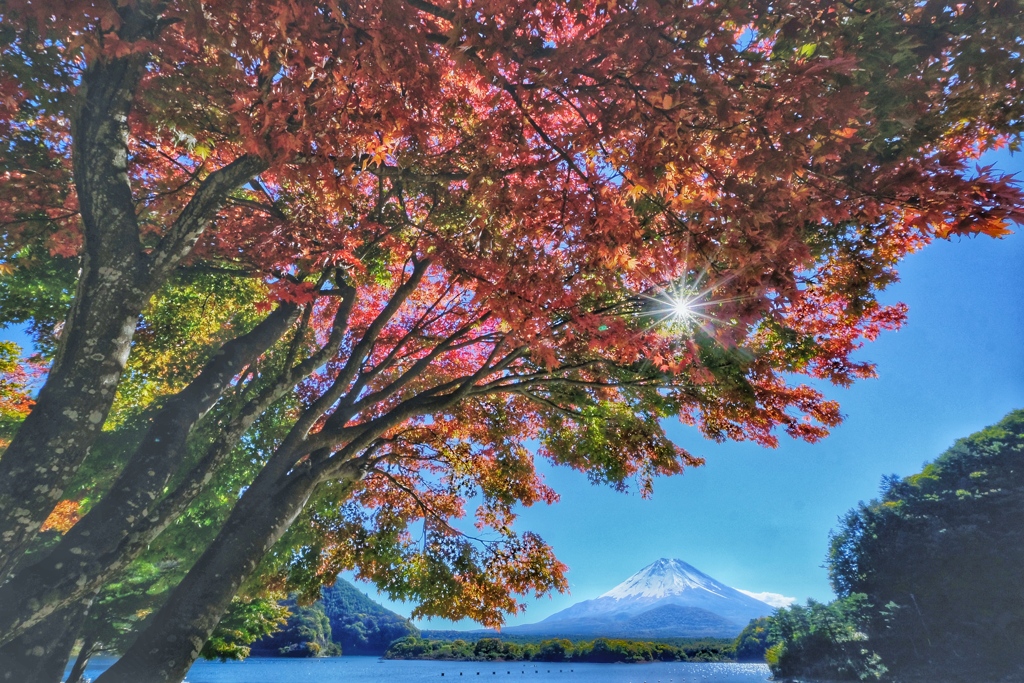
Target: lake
[374,670]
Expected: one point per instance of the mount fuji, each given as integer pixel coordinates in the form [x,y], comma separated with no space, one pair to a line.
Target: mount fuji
[666,599]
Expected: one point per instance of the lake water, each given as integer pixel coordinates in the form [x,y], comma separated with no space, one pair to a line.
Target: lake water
[373,670]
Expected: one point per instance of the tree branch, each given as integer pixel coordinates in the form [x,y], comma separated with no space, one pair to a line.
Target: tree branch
[199,212]
[284,457]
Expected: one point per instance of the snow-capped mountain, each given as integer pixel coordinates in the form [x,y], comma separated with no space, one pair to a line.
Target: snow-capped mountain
[668,598]
[664,578]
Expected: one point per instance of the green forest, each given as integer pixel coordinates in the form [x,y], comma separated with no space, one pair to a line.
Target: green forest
[341,621]
[599,650]
[928,578]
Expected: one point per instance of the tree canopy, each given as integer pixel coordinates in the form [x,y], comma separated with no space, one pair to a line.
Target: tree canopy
[941,552]
[323,270]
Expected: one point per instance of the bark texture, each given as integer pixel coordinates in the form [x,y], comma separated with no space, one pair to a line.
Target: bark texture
[169,646]
[117,280]
[99,544]
[74,402]
[40,654]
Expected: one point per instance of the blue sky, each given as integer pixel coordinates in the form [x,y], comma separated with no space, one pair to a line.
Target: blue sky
[758,519]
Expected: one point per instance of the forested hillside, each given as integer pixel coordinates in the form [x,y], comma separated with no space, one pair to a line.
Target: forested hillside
[360,625]
[342,621]
[928,576]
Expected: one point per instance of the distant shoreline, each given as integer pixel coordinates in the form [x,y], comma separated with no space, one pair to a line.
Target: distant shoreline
[563,651]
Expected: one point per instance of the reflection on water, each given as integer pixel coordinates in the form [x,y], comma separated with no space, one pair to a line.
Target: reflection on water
[373,670]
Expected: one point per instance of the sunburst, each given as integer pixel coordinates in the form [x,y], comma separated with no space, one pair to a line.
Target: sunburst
[685,306]
[682,309]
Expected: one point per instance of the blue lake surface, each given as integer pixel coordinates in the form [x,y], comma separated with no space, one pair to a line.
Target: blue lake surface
[374,670]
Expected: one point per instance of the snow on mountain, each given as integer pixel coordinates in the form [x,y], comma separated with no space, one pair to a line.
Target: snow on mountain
[668,598]
[664,578]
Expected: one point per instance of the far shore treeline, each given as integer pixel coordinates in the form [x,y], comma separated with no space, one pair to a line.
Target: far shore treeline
[598,650]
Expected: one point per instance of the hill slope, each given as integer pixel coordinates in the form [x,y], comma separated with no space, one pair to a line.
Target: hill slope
[343,616]
[360,625]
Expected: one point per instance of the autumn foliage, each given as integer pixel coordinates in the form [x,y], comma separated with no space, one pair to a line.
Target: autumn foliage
[16,377]
[428,237]
[63,516]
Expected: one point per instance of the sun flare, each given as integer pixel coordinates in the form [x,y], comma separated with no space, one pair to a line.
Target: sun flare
[682,310]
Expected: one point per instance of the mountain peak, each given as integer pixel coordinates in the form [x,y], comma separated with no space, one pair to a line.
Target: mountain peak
[665,577]
[667,598]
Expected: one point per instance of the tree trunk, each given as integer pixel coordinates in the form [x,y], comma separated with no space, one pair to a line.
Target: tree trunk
[94,549]
[116,282]
[40,654]
[112,289]
[169,646]
[73,404]
[77,673]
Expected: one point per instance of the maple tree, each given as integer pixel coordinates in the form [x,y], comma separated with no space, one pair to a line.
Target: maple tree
[428,233]
[15,395]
